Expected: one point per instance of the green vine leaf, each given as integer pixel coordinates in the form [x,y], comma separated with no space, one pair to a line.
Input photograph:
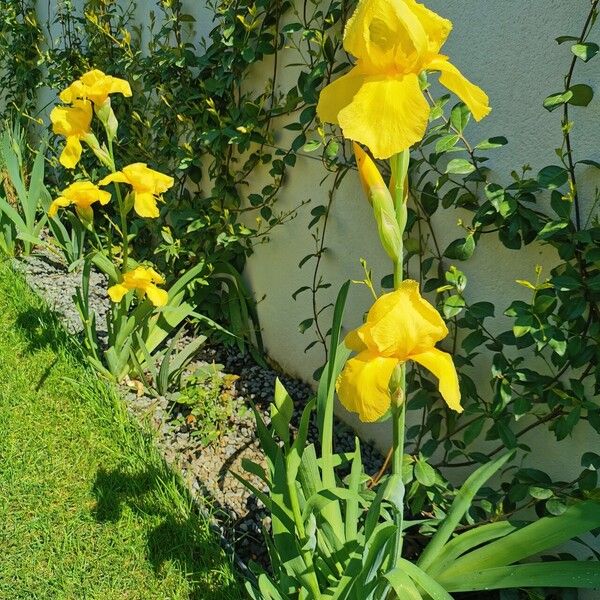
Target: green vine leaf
[453,306]
[304,288]
[424,473]
[312,146]
[555,101]
[461,249]
[460,166]
[305,325]
[560,205]
[460,117]
[566,38]
[585,50]
[551,228]
[582,94]
[492,143]
[446,143]
[553,177]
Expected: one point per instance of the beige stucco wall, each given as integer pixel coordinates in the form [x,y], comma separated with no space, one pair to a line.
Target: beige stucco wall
[507,47]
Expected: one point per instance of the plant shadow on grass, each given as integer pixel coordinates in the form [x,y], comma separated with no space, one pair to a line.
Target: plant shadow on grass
[184,541]
[41,327]
[42,330]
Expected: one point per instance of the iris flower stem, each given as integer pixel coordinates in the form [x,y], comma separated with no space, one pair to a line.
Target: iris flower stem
[121,204]
[398,185]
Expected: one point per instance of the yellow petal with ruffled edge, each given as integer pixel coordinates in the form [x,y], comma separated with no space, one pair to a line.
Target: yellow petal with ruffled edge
[71,153]
[72,120]
[161,182]
[103,197]
[157,296]
[74,91]
[144,204]
[353,342]
[99,90]
[95,86]
[60,202]
[139,176]
[436,27]
[117,177]
[154,275]
[402,323]
[363,385]
[116,292]
[473,96]
[82,194]
[441,365]
[387,114]
[385,35]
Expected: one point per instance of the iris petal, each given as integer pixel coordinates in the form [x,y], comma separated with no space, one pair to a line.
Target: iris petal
[436,27]
[116,292]
[117,177]
[60,202]
[387,114]
[145,205]
[402,323]
[363,385]
[161,182]
[71,153]
[157,296]
[473,96]
[441,365]
[338,94]
[384,34]
[354,342]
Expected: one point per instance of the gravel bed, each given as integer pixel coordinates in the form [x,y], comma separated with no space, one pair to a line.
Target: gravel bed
[206,469]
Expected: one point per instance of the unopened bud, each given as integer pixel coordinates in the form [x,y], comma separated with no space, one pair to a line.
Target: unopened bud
[370,177]
[389,231]
[382,202]
[107,117]
[100,151]
[396,387]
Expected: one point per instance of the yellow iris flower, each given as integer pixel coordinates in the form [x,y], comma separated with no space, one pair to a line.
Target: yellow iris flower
[143,280]
[81,194]
[74,123]
[147,186]
[95,86]
[400,326]
[379,102]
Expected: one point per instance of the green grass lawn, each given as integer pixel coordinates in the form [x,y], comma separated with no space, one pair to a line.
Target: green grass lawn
[87,507]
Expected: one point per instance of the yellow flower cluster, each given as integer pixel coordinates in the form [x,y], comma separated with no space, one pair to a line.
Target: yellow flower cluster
[73,121]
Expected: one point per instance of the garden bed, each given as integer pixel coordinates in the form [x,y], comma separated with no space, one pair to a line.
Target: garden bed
[207,468]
